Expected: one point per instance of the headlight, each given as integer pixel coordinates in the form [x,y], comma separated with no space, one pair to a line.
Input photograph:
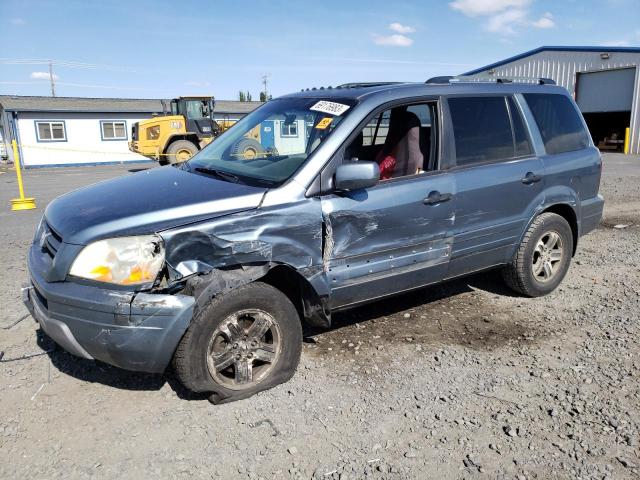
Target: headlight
[153,133]
[123,260]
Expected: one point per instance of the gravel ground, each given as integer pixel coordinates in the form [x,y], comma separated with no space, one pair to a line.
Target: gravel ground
[462,380]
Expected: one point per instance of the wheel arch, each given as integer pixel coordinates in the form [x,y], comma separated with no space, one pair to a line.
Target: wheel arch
[567,212]
[191,137]
[312,308]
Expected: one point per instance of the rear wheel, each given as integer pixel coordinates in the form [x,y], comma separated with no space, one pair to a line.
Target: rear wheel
[181,151]
[240,343]
[543,258]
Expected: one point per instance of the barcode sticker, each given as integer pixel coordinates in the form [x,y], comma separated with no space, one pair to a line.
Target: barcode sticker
[332,108]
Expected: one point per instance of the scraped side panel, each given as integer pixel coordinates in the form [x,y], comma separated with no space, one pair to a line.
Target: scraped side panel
[227,252]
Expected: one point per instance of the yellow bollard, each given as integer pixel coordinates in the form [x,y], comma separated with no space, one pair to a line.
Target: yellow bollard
[20,203]
[626,141]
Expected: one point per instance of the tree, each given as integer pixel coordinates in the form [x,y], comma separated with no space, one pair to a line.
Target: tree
[241,96]
[264,97]
[248,96]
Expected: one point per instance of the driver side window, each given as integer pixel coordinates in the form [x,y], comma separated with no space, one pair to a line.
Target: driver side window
[401,140]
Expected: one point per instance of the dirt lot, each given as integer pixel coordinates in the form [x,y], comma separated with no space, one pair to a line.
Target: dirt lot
[462,380]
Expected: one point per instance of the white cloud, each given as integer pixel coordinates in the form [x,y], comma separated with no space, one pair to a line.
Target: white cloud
[393,40]
[503,17]
[42,76]
[617,43]
[545,21]
[475,8]
[197,84]
[506,21]
[17,21]
[398,27]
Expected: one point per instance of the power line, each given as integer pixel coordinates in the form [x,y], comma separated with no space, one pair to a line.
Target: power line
[65,63]
[82,85]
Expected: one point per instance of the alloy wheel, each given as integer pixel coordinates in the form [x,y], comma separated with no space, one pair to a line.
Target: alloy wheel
[547,256]
[243,349]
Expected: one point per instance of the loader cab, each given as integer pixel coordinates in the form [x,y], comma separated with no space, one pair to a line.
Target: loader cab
[198,115]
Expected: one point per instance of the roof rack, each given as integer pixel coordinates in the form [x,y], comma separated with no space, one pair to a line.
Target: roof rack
[366,84]
[463,79]
[440,80]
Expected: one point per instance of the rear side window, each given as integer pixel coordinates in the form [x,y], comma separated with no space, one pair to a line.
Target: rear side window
[558,121]
[481,129]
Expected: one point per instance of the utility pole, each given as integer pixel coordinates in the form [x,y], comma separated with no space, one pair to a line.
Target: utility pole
[265,80]
[53,83]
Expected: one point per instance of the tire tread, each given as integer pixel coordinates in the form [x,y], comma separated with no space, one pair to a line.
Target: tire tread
[515,274]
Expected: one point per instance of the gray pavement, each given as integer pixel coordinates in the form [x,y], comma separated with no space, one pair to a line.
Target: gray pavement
[461,380]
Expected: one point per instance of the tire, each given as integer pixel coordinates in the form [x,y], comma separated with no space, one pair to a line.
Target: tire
[527,274]
[181,151]
[214,339]
[247,149]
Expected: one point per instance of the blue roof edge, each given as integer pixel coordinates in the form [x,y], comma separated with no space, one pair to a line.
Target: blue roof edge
[554,48]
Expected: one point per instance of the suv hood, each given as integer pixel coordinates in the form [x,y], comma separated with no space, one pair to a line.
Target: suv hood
[146,202]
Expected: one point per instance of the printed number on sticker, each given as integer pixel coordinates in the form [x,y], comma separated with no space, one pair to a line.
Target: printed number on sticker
[332,108]
[324,123]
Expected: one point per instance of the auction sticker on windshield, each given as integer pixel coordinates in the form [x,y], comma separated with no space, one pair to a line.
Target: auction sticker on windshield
[332,108]
[324,123]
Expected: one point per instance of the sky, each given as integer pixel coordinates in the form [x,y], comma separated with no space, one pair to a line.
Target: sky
[158,49]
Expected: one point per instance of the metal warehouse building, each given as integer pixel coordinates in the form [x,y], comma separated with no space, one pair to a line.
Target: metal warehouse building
[55,131]
[604,81]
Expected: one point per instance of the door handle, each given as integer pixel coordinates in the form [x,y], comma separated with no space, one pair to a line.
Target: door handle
[436,197]
[530,178]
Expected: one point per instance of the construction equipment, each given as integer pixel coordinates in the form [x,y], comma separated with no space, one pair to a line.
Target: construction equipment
[179,133]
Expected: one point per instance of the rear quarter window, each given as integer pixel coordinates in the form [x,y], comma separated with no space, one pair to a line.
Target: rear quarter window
[559,122]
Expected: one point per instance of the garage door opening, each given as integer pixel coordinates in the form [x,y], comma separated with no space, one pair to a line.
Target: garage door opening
[608,129]
[605,98]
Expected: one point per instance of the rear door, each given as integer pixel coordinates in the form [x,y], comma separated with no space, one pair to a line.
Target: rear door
[498,180]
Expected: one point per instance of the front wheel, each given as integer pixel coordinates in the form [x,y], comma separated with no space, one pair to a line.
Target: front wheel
[240,343]
[543,258]
[181,151]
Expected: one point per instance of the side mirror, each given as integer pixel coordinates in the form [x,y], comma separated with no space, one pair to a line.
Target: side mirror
[357,175]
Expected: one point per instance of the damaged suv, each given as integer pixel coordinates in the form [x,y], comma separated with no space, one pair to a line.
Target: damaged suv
[347,195]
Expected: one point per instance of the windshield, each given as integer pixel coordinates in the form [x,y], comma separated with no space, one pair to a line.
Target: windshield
[267,146]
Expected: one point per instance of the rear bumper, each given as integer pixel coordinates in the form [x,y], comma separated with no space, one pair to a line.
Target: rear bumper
[591,214]
[134,331]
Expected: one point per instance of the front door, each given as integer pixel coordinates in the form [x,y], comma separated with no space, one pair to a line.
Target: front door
[392,237]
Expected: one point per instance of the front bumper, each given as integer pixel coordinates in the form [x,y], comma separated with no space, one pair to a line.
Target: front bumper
[134,331]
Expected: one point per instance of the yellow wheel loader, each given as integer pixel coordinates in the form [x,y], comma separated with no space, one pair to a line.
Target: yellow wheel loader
[176,136]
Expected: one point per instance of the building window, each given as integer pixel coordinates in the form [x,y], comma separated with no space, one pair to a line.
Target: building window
[289,129]
[51,131]
[113,130]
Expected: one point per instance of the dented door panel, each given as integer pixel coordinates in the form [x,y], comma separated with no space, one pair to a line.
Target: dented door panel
[385,239]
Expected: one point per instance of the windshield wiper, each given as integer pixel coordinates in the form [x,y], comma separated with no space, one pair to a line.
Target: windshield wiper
[218,173]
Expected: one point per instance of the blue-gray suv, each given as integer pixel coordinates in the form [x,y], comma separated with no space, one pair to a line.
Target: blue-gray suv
[315,202]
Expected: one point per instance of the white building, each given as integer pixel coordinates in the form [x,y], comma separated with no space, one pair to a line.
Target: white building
[56,131]
[604,81]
